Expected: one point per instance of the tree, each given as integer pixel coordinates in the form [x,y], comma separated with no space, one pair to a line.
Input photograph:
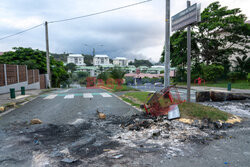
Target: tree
[242,65]
[222,33]
[82,74]
[138,63]
[88,60]
[71,67]
[36,59]
[104,76]
[117,73]
[60,57]
[178,49]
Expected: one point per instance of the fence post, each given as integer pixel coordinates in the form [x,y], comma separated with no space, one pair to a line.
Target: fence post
[17,71]
[33,72]
[27,75]
[5,74]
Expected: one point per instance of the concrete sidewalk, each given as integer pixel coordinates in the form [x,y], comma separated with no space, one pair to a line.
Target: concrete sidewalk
[5,98]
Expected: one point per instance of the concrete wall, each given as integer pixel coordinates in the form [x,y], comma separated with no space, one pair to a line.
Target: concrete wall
[17,86]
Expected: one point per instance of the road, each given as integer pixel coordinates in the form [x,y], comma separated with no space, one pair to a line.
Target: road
[71,131]
[67,106]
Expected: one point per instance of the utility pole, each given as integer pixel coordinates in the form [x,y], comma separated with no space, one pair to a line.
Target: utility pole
[167,46]
[47,53]
[188,58]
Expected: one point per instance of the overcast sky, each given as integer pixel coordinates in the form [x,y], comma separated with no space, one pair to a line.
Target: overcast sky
[135,32]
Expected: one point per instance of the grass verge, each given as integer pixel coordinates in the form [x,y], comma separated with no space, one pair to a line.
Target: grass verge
[116,88]
[187,110]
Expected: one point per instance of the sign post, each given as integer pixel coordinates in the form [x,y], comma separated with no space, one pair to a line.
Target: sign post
[181,20]
[188,59]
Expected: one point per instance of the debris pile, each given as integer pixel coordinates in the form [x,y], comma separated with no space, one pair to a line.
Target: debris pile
[239,108]
[149,133]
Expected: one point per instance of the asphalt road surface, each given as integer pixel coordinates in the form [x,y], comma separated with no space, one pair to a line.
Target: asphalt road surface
[64,106]
[72,135]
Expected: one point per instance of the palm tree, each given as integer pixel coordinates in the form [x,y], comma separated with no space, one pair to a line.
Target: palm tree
[242,64]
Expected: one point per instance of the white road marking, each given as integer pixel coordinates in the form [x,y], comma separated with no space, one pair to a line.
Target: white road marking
[51,96]
[87,95]
[105,95]
[69,96]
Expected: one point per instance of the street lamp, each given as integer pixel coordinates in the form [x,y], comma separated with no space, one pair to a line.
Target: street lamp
[93,47]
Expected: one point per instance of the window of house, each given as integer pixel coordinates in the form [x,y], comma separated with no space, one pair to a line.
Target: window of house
[102,61]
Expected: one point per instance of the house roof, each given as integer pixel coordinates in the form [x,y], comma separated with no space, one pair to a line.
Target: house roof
[75,55]
[120,58]
[1,53]
[143,75]
[248,21]
[101,55]
[87,68]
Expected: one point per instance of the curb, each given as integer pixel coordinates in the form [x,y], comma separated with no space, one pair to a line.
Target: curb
[139,110]
[7,108]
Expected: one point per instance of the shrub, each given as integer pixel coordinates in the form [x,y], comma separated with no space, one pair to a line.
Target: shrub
[129,80]
[181,75]
[248,77]
[104,76]
[212,72]
[234,76]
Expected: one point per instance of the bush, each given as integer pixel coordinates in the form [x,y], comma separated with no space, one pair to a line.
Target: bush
[234,76]
[181,75]
[104,76]
[129,80]
[248,77]
[117,73]
[212,72]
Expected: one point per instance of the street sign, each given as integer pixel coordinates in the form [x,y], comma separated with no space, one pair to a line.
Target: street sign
[174,112]
[186,17]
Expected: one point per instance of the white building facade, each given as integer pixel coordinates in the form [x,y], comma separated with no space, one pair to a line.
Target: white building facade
[77,59]
[120,61]
[100,60]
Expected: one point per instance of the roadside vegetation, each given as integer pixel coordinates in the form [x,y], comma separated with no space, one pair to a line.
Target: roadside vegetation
[220,47]
[36,59]
[187,110]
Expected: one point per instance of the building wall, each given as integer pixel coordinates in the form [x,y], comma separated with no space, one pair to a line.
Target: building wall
[100,61]
[79,61]
[120,62]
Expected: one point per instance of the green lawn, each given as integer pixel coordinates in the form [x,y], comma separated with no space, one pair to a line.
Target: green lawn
[223,84]
[121,88]
[188,110]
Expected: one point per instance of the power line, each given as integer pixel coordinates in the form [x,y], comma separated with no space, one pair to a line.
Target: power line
[97,13]
[21,31]
[73,18]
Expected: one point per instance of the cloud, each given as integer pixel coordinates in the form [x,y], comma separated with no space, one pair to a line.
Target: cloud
[136,32]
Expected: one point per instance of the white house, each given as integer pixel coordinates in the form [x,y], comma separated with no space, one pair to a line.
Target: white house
[120,61]
[101,60]
[77,59]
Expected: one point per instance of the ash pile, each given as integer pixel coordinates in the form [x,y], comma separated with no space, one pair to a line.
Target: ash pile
[174,138]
